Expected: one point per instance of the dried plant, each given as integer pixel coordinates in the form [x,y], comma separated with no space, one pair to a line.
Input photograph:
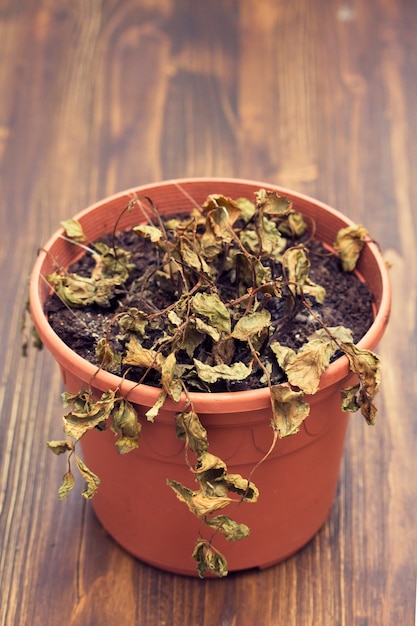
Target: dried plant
[225,303]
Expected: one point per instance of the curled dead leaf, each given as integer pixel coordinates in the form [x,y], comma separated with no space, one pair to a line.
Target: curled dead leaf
[125,423]
[189,428]
[211,306]
[154,410]
[139,356]
[251,324]
[366,364]
[288,408]
[305,368]
[68,482]
[148,231]
[349,243]
[212,373]
[60,447]
[233,531]
[74,230]
[198,503]
[209,559]
[92,481]
[108,358]
[86,413]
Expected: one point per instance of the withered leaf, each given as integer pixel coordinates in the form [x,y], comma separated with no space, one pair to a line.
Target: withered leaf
[203,505]
[266,239]
[210,305]
[251,271]
[349,243]
[110,271]
[209,462]
[237,484]
[191,257]
[192,338]
[198,503]
[154,410]
[209,559]
[366,364]
[212,373]
[223,351]
[125,423]
[247,208]
[133,321]
[354,399]
[182,224]
[142,357]
[182,492]
[229,209]
[350,402]
[368,409]
[81,401]
[288,409]
[289,221]
[80,291]
[210,471]
[86,413]
[68,482]
[60,447]
[262,273]
[108,358]
[148,231]
[338,334]
[92,481]
[251,324]
[126,444]
[297,265]
[233,531]
[174,318]
[169,379]
[218,230]
[305,368]
[189,428]
[182,306]
[250,240]
[272,203]
[294,225]
[76,427]
[111,264]
[211,247]
[85,406]
[206,329]
[273,243]
[74,230]
[312,289]
[285,355]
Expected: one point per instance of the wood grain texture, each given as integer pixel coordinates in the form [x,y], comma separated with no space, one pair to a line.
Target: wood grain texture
[100,95]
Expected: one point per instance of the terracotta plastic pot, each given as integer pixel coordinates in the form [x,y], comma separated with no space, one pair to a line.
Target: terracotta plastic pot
[298,481]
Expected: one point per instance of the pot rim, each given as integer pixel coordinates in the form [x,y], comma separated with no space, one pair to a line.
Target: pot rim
[222,402]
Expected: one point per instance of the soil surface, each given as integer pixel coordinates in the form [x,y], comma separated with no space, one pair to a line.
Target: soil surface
[348,303]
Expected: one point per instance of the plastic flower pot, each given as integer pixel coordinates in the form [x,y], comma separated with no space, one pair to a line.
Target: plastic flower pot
[297,482]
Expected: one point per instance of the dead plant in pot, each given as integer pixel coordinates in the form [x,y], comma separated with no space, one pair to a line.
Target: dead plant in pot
[199,298]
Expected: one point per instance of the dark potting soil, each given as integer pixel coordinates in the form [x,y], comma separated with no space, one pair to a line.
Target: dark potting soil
[348,303]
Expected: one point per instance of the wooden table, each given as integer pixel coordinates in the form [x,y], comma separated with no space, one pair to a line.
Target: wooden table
[100,95]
